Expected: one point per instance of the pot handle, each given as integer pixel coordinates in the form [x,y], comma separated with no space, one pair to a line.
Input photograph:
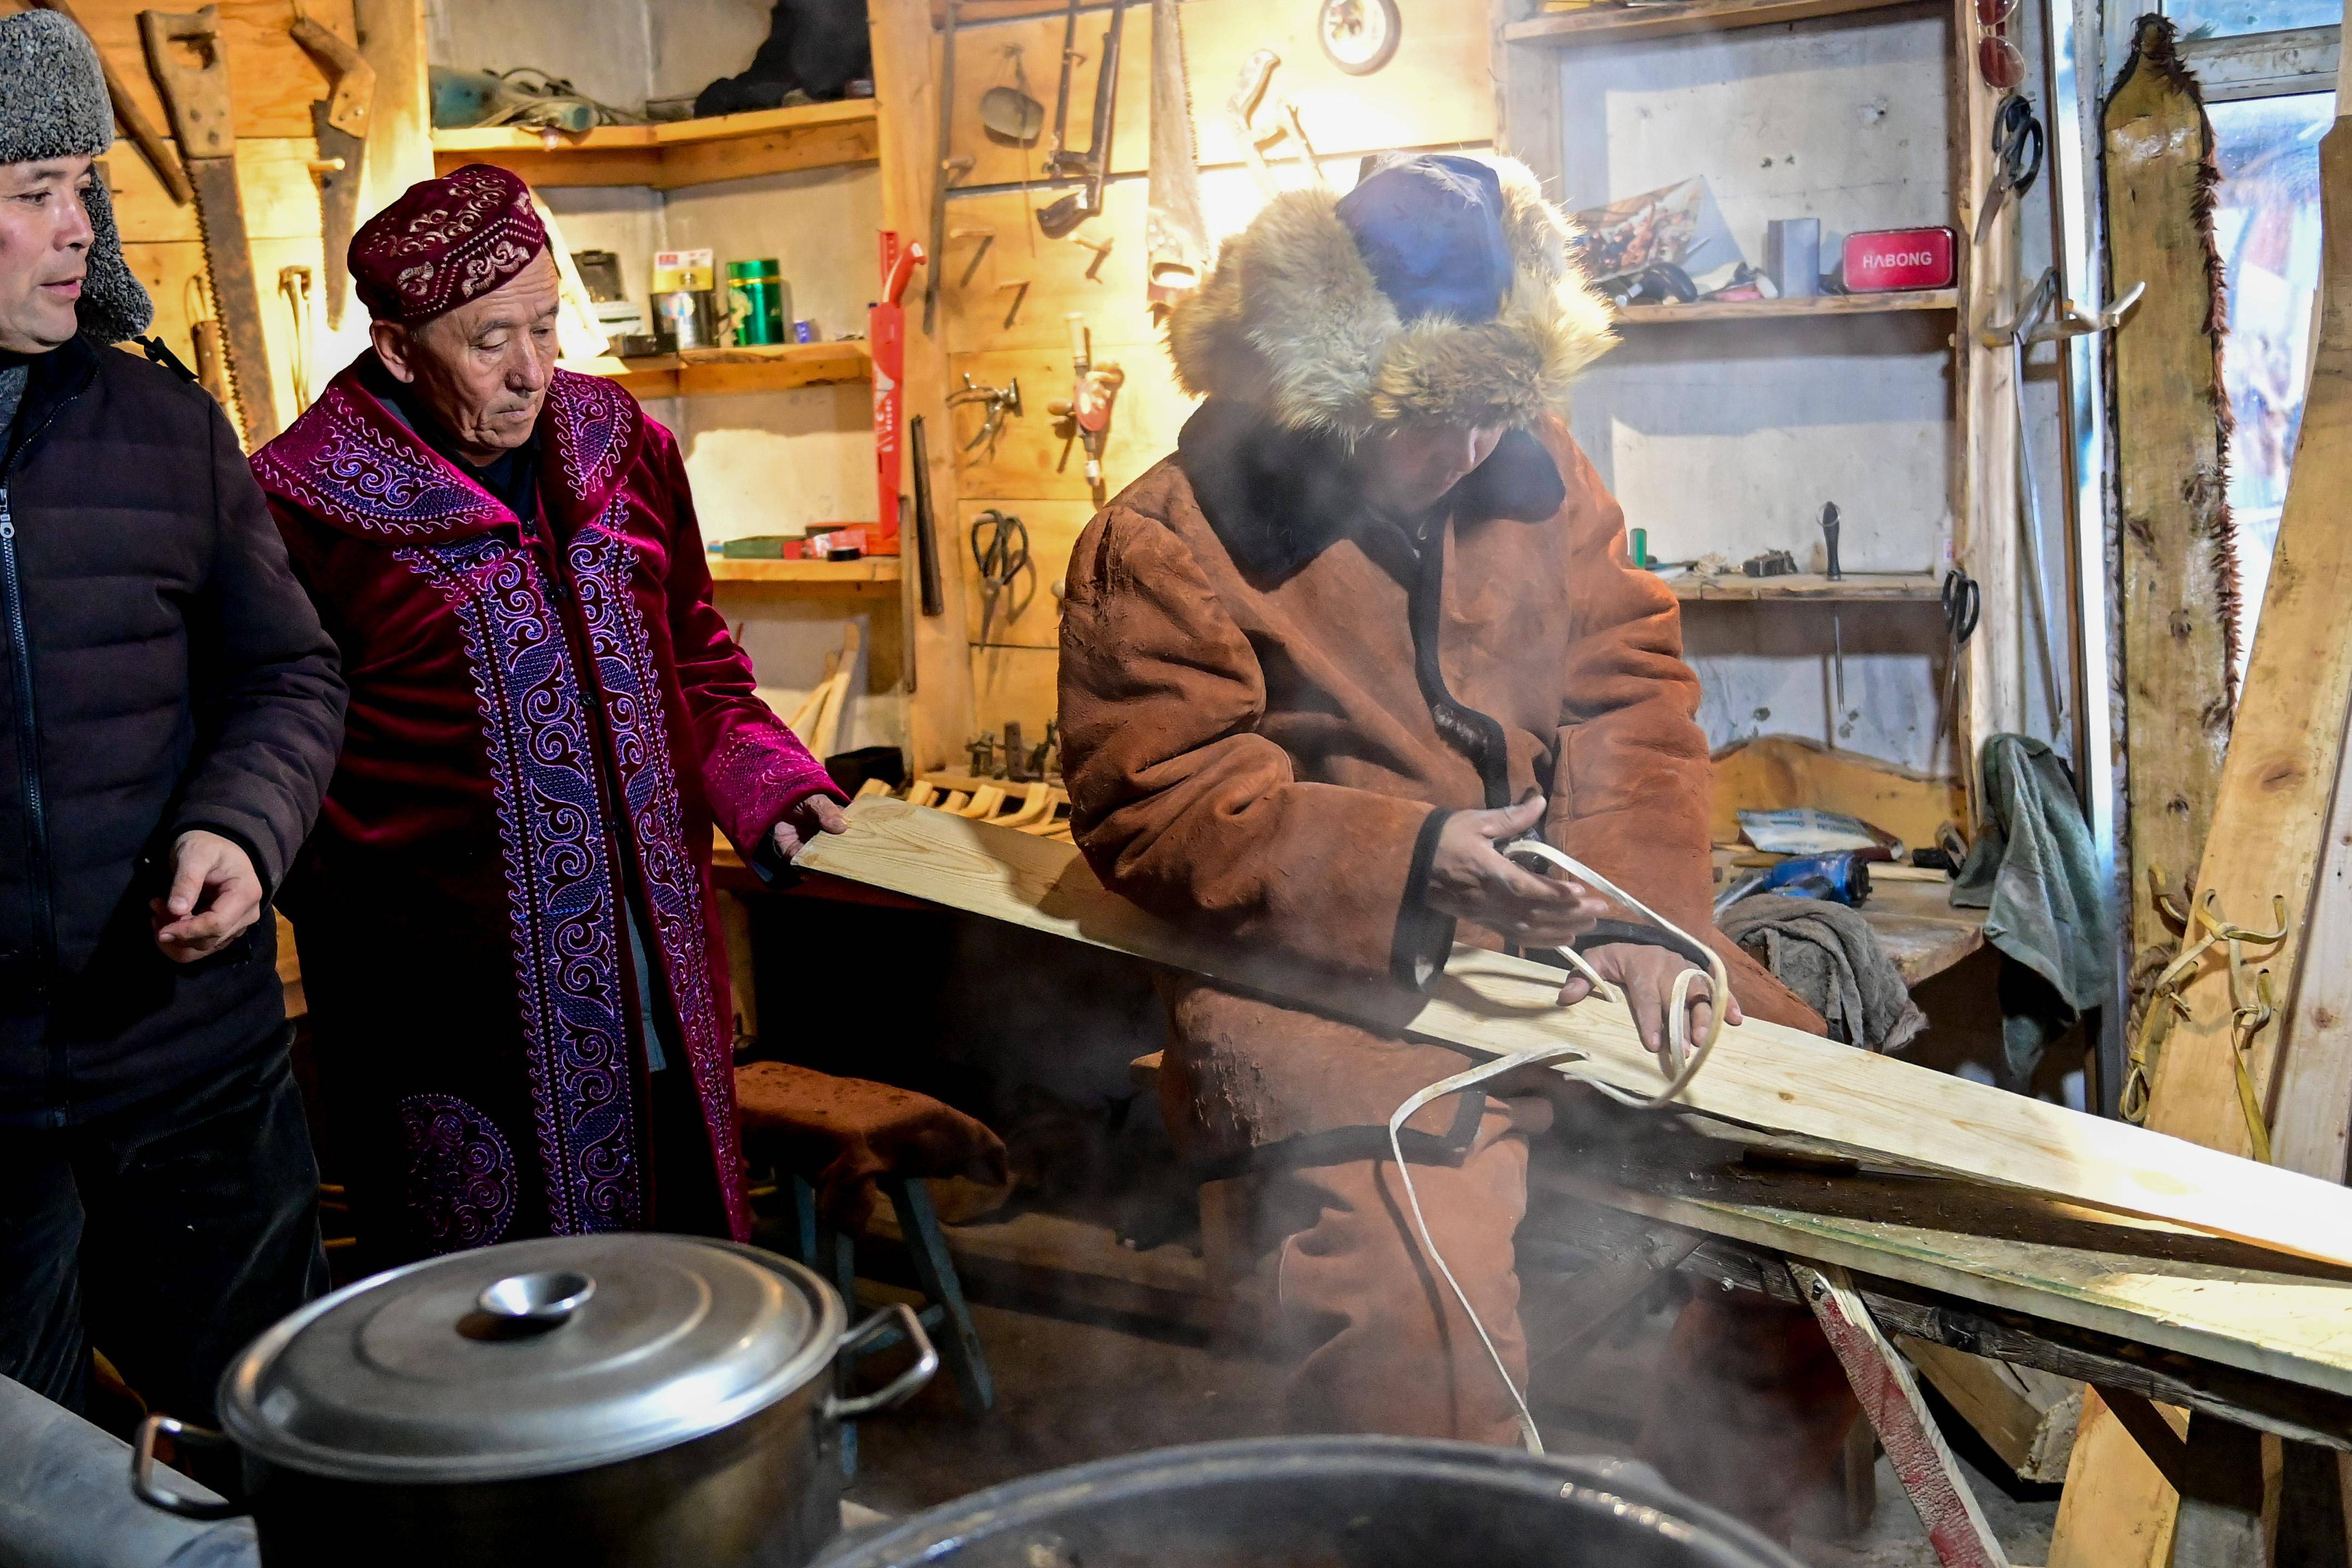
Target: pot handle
[143,1470]
[903,1386]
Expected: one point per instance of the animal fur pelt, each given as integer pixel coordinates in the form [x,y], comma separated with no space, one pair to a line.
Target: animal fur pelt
[1291,320]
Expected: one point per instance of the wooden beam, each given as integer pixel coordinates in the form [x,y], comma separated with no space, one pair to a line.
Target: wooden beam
[1891,1402]
[2179,580]
[2117,1511]
[1761,1075]
[2027,1417]
[939,706]
[2278,781]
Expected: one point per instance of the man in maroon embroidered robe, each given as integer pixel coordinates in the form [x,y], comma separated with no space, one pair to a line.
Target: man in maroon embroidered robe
[515,975]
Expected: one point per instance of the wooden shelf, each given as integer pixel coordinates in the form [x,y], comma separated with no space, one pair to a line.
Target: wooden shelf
[679,152]
[870,573]
[708,371]
[1615,24]
[1701,311]
[1853,588]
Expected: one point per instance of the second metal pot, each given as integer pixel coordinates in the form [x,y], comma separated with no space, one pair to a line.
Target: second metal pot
[603,1401]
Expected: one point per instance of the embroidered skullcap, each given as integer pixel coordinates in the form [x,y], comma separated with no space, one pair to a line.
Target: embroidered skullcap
[443,242]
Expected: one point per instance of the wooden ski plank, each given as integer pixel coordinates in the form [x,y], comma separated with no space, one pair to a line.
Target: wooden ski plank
[1761,1075]
[2278,781]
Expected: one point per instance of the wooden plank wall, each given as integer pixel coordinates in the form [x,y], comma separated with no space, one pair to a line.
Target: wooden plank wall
[1007,289]
[273,82]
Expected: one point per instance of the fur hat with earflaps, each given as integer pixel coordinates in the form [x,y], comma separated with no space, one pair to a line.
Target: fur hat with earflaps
[1441,287]
[53,104]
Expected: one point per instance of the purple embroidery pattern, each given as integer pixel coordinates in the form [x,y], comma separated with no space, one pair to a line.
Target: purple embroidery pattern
[561,879]
[601,563]
[594,421]
[461,1174]
[334,461]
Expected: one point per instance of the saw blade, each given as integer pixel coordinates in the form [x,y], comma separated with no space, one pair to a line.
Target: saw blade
[236,297]
[338,203]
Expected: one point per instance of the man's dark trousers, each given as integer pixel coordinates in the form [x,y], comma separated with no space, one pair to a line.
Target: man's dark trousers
[169,1233]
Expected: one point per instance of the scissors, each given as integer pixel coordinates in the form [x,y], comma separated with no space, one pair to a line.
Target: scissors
[1963,601]
[2017,147]
[999,549]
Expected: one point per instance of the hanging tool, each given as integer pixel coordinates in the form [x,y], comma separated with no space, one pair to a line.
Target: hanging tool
[1060,163]
[1240,114]
[2041,301]
[1102,249]
[943,173]
[294,288]
[1175,231]
[135,123]
[1066,213]
[1000,551]
[1094,388]
[1963,600]
[998,402]
[1830,529]
[204,333]
[927,542]
[341,123]
[2017,147]
[196,97]
[885,342]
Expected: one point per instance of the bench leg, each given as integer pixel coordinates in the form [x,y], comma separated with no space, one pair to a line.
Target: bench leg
[935,1272]
[1891,1400]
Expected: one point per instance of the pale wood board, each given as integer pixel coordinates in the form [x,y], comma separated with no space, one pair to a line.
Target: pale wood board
[2313,1123]
[272,80]
[1761,1075]
[2278,780]
[1916,587]
[1773,772]
[1700,312]
[2028,1417]
[2172,467]
[2117,1509]
[994,248]
[1020,684]
[679,153]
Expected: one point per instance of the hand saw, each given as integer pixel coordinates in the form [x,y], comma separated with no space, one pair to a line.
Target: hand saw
[196,97]
[341,123]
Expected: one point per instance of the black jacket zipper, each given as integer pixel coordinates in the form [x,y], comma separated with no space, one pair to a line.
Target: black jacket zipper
[29,756]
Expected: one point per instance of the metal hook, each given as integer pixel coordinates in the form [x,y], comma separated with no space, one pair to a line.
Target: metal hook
[2072,320]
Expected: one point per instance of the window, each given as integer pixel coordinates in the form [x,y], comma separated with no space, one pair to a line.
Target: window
[2212,18]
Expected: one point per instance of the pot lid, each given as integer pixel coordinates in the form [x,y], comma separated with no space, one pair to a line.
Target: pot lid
[529,1359]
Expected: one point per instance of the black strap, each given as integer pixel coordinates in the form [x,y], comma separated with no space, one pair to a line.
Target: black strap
[160,353]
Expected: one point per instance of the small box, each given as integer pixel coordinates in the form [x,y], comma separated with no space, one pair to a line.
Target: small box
[1792,256]
[1884,259]
[675,270]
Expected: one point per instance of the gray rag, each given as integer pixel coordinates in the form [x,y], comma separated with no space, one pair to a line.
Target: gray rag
[53,104]
[1828,954]
[2034,868]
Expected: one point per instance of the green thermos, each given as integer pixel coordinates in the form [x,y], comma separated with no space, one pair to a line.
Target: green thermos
[758,301]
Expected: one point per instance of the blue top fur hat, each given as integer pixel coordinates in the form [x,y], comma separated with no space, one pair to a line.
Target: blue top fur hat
[53,104]
[1441,288]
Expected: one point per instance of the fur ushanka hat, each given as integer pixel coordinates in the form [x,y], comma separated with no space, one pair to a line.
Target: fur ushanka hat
[1441,287]
[53,104]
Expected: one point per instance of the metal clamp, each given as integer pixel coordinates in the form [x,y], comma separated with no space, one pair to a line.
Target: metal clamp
[901,1388]
[997,402]
[143,1469]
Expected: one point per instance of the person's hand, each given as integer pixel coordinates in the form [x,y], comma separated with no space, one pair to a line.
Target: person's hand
[1647,974]
[1471,880]
[214,897]
[816,813]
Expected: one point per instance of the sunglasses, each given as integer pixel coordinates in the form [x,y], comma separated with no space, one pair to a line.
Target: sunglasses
[1999,59]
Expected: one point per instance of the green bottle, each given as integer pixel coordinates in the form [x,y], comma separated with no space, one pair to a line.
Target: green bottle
[756,300]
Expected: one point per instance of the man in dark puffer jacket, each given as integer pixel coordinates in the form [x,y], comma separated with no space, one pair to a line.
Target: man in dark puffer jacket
[169,711]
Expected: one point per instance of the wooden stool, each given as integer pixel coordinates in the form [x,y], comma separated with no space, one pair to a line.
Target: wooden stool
[828,1137]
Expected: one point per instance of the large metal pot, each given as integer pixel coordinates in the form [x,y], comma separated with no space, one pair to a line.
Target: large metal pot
[1324,1503]
[607,1401]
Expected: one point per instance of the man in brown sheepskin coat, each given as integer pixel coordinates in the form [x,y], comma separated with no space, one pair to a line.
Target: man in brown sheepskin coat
[1373,618]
